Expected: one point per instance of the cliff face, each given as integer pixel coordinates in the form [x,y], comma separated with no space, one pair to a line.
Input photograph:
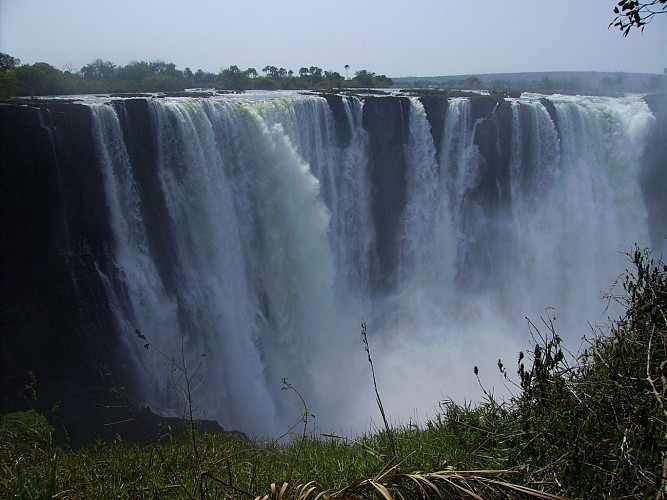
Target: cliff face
[139,137]
[387,123]
[56,320]
[343,129]
[491,119]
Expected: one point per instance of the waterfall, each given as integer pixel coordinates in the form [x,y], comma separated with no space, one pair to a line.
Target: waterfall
[586,208]
[262,266]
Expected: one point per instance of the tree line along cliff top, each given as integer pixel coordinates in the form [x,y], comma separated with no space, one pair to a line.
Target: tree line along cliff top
[100,76]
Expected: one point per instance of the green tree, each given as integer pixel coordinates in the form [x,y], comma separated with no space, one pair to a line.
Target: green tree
[368,79]
[233,78]
[203,77]
[161,68]
[363,78]
[315,74]
[42,79]
[270,71]
[99,70]
[332,75]
[473,82]
[8,84]
[135,71]
[8,80]
[634,14]
[383,81]
[8,63]
[161,83]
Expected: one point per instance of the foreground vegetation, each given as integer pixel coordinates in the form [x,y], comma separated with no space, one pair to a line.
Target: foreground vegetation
[596,429]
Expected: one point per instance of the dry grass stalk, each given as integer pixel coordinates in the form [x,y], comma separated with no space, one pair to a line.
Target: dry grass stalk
[448,484]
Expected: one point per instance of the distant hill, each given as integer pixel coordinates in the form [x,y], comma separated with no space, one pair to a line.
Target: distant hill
[568,81]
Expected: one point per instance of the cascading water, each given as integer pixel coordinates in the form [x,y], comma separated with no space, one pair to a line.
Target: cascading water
[586,209]
[263,260]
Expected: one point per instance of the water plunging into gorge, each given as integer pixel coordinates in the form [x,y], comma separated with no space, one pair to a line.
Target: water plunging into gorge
[260,232]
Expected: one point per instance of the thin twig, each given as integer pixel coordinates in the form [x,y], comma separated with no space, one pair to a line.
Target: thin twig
[377,394]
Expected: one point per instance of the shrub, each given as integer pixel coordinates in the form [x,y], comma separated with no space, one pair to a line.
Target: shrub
[27,461]
[25,431]
[598,429]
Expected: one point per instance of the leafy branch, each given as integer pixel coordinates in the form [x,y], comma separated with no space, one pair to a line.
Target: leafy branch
[632,13]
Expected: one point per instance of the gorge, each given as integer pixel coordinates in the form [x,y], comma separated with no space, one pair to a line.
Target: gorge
[250,235]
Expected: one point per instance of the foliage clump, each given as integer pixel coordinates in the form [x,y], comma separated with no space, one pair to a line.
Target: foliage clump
[25,448]
[25,431]
[636,14]
[598,429]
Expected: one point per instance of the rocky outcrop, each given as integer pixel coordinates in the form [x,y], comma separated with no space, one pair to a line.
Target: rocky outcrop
[487,205]
[386,120]
[56,322]
[435,107]
[139,137]
[343,129]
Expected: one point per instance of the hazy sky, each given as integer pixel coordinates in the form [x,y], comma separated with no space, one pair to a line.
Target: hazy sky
[406,38]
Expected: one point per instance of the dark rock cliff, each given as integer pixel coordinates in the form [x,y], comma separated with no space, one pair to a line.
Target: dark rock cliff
[56,322]
[387,122]
[436,111]
[343,130]
[139,138]
[487,205]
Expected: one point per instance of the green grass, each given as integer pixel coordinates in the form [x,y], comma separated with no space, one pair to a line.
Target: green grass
[596,429]
[121,470]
